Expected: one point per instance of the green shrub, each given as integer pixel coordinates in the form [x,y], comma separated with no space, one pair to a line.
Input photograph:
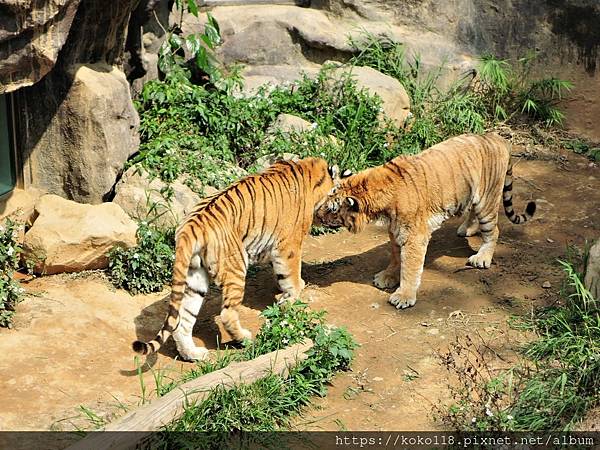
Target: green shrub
[502,92]
[438,113]
[10,291]
[335,108]
[582,147]
[203,131]
[148,267]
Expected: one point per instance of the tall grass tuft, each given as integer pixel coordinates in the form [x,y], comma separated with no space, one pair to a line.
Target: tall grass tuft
[511,90]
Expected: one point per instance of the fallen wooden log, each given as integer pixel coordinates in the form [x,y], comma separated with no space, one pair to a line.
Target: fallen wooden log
[153,416]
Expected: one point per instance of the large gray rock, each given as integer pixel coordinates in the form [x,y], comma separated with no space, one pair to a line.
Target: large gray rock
[592,274]
[289,123]
[71,237]
[141,196]
[33,33]
[49,122]
[89,138]
[269,77]
[276,35]
[304,37]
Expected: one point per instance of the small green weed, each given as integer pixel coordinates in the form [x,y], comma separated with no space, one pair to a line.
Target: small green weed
[147,267]
[10,291]
[583,147]
[510,90]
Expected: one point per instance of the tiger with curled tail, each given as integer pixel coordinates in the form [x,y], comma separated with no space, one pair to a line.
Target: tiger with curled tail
[467,174]
[261,217]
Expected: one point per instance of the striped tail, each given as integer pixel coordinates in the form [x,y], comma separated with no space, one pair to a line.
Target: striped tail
[508,205]
[183,257]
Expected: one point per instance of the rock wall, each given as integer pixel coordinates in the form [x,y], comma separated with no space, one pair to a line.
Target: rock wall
[93,131]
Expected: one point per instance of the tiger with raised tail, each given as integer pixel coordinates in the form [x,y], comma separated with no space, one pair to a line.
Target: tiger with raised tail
[261,217]
[467,174]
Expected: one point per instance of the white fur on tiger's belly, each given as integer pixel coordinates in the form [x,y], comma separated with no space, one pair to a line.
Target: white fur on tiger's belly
[436,221]
[382,221]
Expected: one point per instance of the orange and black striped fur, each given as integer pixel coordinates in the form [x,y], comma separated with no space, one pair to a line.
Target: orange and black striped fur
[467,175]
[261,217]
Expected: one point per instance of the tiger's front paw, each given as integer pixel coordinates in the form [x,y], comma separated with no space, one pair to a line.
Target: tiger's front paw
[194,354]
[401,302]
[480,261]
[286,297]
[386,279]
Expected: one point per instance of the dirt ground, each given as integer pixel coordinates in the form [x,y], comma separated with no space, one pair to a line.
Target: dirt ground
[71,342]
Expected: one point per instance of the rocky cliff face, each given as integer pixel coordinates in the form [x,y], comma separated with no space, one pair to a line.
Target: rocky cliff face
[31,35]
[77,123]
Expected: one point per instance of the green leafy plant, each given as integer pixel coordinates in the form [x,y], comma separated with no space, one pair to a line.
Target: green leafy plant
[582,147]
[148,267]
[172,55]
[206,133]
[11,293]
[502,91]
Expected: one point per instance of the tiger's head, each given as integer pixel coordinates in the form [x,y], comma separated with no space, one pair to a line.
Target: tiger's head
[328,183]
[343,207]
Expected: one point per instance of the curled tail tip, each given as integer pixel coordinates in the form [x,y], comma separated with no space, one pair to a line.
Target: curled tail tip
[140,347]
[530,209]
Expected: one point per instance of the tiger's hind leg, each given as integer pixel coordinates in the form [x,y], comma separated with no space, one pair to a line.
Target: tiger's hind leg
[233,283]
[488,225]
[197,282]
[470,226]
[390,276]
[287,265]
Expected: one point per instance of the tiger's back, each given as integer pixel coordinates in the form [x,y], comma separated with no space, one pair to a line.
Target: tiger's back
[263,216]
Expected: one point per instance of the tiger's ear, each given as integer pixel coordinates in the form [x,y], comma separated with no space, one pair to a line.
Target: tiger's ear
[334,171]
[346,173]
[352,204]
